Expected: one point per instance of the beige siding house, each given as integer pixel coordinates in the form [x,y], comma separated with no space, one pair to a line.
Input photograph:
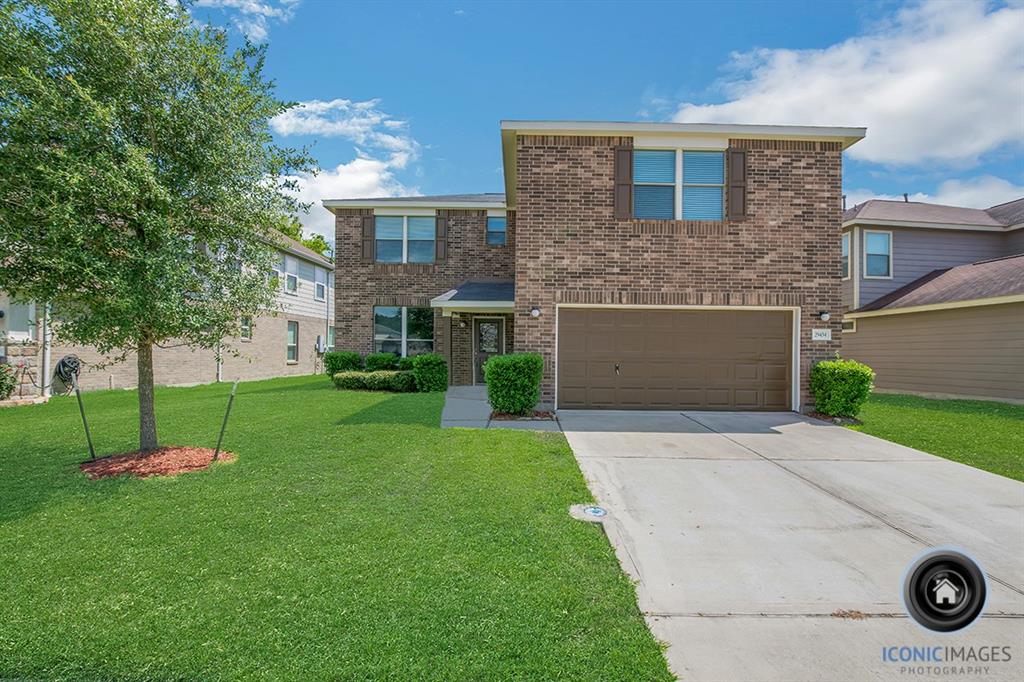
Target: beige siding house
[290,342]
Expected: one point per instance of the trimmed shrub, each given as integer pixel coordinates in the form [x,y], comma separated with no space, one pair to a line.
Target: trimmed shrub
[403,382]
[8,381]
[342,361]
[513,382]
[431,372]
[350,381]
[841,387]
[378,361]
[405,364]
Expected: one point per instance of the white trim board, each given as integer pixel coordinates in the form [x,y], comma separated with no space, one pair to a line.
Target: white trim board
[795,312]
[952,305]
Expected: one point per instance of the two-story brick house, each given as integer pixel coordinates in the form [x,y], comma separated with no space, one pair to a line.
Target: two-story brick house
[653,265]
[934,297]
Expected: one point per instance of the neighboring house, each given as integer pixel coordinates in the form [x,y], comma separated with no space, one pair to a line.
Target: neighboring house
[652,265]
[269,346]
[934,297]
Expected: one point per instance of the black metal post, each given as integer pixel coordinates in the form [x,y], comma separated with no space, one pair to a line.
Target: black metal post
[224,425]
[85,423]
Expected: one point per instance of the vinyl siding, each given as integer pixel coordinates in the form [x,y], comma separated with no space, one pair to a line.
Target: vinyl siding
[972,352]
[1013,242]
[303,301]
[916,252]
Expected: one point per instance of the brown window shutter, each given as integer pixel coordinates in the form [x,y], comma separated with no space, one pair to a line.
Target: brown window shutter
[623,183]
[737,184]
[369,239]
[441,239]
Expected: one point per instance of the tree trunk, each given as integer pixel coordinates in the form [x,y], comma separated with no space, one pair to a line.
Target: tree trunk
[147,415]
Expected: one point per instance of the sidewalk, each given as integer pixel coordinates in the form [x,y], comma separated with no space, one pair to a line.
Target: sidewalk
[467,407]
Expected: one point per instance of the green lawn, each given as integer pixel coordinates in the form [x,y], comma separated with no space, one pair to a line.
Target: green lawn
[987,435]
[353,539]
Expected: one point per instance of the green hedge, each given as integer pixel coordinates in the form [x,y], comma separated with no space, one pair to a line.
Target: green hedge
[8,381]
[431,372]
[379,361]
[381,380]
[405,364]
[342,361]
[513,382]
[841,387]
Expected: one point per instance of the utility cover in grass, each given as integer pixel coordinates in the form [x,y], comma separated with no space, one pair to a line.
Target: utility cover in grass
[170,460]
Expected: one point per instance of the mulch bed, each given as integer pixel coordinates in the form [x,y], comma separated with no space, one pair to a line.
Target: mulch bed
[170,460]
[843,421]
[536,414]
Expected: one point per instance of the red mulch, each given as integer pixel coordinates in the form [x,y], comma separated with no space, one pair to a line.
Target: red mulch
[170,460]
[536,414]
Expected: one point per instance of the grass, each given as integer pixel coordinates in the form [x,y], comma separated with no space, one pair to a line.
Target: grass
[984,434]
[353,539]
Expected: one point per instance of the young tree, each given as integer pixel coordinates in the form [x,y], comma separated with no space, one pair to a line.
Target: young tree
[139,184]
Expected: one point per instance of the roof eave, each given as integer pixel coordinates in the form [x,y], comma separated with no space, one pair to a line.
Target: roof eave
[880,222]
[331,204]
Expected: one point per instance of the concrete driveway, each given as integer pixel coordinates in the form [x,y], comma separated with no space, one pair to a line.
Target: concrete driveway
[751,533]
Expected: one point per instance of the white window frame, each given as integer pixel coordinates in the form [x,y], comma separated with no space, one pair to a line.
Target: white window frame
[488,232]
[405,239]
[245,329]
[846,239]
[891,249]
[331,337]
[319,288]
[288,346]
[291,274]
[852,329]
[405,328]
[678,185]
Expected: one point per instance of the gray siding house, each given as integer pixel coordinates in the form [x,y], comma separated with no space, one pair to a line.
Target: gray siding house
[933,297]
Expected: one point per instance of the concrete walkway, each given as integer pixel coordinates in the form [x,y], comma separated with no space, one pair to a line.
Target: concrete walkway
[750,533]
[467,407]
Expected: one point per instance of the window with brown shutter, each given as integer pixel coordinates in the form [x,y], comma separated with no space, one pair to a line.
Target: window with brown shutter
[623,183]
[368,239]
[736,184]
[441,239]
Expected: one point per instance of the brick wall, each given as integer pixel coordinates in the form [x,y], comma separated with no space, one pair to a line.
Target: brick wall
[570,249]
[361,286]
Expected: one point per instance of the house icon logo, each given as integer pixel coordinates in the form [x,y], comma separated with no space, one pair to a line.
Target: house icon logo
[944,592]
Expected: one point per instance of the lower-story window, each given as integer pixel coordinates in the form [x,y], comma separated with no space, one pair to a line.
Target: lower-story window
[330,339]
[293,341]
[403,331]
[246,328]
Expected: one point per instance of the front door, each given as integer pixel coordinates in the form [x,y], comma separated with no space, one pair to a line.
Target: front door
[488,340]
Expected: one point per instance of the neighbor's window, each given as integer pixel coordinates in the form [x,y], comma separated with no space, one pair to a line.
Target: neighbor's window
[291,275]
[662,193]
[844,256]
[275,275]
[246,332]
[403,331]
[703,185]
[496,230]
[849,325]
[330,338]
[654,184]
[405,239]
[320,285]
[293,341]
[877,254]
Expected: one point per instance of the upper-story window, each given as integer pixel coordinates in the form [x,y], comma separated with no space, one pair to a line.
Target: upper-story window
[679,184]
[877,254]
[320,284]
[405,239]
[496,226]
[844,256]
[291,275]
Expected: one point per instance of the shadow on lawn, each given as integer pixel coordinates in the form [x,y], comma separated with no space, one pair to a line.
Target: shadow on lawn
[419,409]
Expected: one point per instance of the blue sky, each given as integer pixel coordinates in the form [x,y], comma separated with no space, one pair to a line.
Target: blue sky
[405,98]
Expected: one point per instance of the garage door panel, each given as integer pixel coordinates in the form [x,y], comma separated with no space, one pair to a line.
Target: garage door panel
[678,359]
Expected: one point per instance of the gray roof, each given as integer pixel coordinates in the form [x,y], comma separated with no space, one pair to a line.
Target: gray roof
[299,249]
[1010,213]
[485,290]
[919,212]
[984,279]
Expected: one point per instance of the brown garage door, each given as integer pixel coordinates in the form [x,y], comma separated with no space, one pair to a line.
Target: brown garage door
[674,359]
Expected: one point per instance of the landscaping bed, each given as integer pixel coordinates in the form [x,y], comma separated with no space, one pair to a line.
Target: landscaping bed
[166,461]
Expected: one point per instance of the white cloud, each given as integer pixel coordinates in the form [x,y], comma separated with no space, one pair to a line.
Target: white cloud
[980,192]
[383,147]
[940,81]
[253,17]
